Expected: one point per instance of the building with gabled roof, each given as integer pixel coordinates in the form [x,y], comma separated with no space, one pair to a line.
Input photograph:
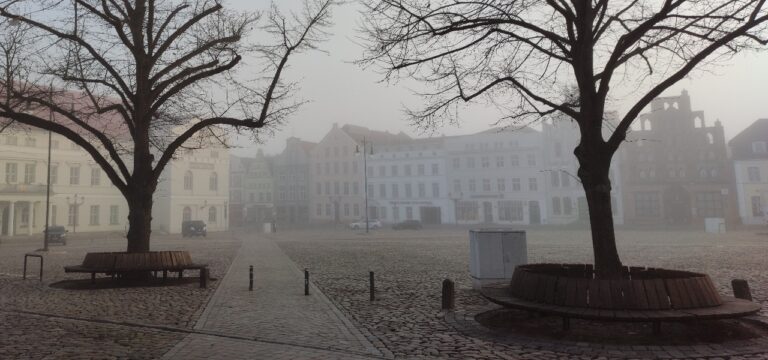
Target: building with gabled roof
[749,152]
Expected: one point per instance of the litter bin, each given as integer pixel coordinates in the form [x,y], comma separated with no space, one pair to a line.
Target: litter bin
[494,254]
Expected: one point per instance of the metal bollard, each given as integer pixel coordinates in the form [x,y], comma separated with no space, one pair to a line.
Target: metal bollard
[741,289]
[250,278]
[204,278]
[372,287]
[306,282]
[448,294]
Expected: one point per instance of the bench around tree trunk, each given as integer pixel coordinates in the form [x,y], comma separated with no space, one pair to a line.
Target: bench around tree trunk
[113,263]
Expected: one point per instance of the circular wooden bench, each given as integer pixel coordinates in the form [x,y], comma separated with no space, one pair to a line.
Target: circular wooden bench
[117,263]
[642,294]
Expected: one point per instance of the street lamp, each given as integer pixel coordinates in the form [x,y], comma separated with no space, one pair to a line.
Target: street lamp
[48,181]
[365,174]
[75,205]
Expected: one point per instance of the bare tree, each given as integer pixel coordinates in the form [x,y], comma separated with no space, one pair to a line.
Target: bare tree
[521,54]
[127,75]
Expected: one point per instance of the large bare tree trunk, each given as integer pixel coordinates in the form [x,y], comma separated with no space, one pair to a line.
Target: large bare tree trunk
[594,170]
[139,220]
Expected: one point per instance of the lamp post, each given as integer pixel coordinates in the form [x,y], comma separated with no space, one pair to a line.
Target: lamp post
[75,205]
[365,176]
[48,181]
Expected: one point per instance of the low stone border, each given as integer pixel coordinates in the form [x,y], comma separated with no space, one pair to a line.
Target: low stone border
[464,322]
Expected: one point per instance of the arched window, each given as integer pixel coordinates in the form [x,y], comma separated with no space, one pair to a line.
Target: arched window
[186,214]
[213,184]
[212,214]
[710,138]
[647,124]
[188,180]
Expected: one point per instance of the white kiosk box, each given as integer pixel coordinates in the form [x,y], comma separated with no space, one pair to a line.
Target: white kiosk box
[714,225]
[494,254]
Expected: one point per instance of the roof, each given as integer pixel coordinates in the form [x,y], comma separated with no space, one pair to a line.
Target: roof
[741,144]
[357,133]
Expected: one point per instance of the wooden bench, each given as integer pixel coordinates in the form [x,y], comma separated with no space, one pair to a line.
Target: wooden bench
[642,294]
[114,263]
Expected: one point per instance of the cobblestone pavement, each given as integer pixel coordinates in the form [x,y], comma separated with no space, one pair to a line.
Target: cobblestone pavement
[42,322]
[405,318]
[276,314]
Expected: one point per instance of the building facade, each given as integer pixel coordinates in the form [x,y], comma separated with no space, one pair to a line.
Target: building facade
[252,194]
[749,151]
[291,183]
[675,167]
[83,198]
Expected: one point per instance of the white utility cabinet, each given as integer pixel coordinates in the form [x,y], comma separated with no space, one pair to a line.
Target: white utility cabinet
[494,254]
[714,225]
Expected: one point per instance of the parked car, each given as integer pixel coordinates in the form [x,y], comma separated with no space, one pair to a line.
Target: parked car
[57,235]
[194,228]
[372,224]
[408,224]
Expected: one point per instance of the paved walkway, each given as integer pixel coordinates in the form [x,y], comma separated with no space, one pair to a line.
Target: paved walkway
[273,321]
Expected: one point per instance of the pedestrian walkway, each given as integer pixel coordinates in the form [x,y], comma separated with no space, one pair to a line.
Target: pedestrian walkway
[275,320]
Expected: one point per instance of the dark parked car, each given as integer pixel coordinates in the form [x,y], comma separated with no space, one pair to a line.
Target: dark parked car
[193,228]
[408,224]
[57,235]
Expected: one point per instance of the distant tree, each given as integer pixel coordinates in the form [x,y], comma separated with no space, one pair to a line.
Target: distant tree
[120,79]
[521,54]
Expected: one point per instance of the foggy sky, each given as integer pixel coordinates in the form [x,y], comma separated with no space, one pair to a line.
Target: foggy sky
[342,92]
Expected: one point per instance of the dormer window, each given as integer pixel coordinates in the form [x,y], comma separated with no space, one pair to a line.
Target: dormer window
[759,147]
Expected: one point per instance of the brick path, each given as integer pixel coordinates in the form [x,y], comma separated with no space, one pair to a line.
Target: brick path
[273,321]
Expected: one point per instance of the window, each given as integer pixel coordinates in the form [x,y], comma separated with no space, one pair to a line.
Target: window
[556,210]
[753,174]
[113,214]
[370,191]
[567,206]
[395,191]
[72,215]
[515,160]
[408,191]
[510,210]
[420,169]
[435,169]
[393,170]
[336,188]
[186,214]
[467,210]
[435,190]
[565,178]
[188,180]
[515,184]
[94,218]
[346,188]
[647,204]
[382,190]
[346,209]
[355,188]
[472,185]
[533,185]
[531,160]
[212,215]
[29,173]
[457,187]
[486,184]
[757,206]
[500,161]
[95,176]
[422,190]
[501,185]
[470,163]
[408,212]
[74,175]
[396,213]
[11,173]
[54,174]
[759,147]
[213,182]
[485,162]
[456,163]
[356,209]
[709,204]
[382,170]
[555,178]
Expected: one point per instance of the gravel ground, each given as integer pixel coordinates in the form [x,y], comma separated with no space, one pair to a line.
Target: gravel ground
[76,315]
[410,266]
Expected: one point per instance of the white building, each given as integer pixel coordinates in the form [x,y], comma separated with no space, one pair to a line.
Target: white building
[407,180]
[83,199]
[749,150]
[494,177]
